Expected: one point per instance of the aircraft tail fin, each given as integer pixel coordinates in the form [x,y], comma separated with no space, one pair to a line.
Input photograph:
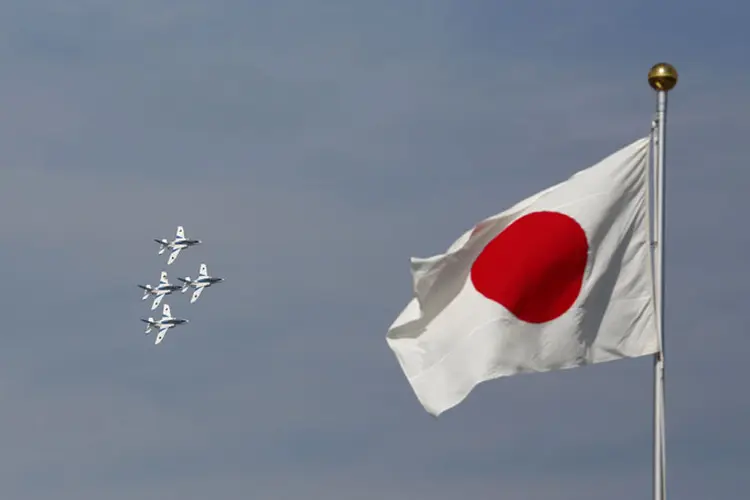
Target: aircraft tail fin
[147,291]
[163,243]
[149,324]
[186,283]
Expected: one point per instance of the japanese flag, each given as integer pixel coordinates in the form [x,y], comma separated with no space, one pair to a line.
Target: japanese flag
[560,280]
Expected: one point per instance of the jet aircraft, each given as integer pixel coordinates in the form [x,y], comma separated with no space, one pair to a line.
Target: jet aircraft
[200,283]
[162,289]
[166,322]
[175,245]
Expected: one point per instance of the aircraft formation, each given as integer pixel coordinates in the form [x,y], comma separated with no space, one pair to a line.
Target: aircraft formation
[164,287]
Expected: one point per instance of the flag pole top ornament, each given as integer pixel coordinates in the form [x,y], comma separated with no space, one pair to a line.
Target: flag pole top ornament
[662,77]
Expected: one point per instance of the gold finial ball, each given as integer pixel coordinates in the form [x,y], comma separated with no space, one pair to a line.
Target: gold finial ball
[663,76]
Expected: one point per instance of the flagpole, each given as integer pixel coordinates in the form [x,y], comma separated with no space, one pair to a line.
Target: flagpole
[657,404]
[662,78]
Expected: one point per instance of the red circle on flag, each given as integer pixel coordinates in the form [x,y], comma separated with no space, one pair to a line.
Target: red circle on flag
[535,267]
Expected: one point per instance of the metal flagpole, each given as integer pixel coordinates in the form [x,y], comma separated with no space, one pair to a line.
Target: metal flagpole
[662,77]
[655,218]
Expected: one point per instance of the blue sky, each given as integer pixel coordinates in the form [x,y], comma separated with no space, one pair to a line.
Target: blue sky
[314,147]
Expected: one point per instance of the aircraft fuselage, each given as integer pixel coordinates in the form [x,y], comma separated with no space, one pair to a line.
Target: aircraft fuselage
[161,323]
[177,243]
[162,289]
[183,243]
[206,281]
[200,282]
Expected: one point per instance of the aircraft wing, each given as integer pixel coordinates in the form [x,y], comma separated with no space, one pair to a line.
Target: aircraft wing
[156,302]
[166,311]
[173,255]
[203,270]
[163,278]
[160,335]
[196,294]
[180,232]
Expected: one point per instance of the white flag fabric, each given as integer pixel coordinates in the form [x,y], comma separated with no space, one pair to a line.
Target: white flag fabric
[560,280]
